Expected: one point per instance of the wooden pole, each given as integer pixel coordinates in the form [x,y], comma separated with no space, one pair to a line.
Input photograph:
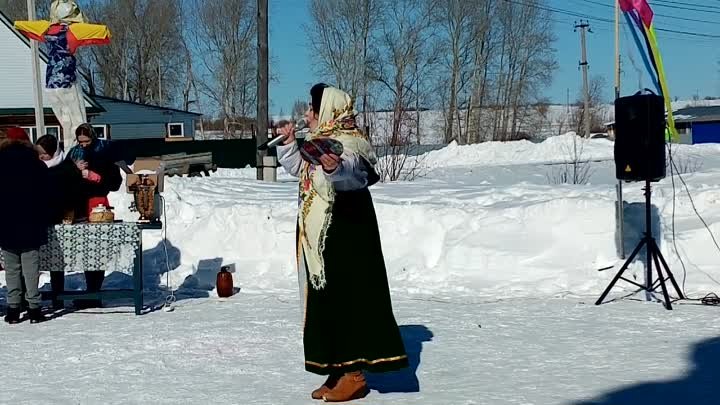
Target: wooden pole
[617,49]
[262,81]
[620,200]
[37,78]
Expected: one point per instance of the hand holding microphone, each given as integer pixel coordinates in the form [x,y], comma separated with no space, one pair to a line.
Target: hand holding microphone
[286,133]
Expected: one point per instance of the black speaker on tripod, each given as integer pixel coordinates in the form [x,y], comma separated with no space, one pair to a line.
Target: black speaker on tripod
[640,156]
[640,138]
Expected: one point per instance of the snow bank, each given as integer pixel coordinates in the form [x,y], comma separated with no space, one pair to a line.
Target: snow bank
[482,228]
[555,149]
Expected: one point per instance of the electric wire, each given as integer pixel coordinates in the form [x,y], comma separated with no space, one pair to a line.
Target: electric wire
[711,298]
[685,3]
[674,17]
[586,16]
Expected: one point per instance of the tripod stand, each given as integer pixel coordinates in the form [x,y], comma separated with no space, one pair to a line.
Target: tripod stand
[653,256]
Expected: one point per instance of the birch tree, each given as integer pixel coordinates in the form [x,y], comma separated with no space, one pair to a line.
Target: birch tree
[141,62]
[340,35]
[225,44]
[456,18]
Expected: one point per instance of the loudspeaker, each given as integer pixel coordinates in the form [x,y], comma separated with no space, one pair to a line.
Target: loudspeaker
[640,138]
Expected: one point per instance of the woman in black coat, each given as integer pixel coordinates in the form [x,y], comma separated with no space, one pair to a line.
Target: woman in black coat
[95,159]
[65,185]
[65,180]
[23,222]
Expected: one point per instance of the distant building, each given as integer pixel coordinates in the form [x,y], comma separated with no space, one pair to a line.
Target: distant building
[126,120]
[699,124]
[695,125]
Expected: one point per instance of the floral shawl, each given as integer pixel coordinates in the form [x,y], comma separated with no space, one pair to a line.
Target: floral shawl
[317,194]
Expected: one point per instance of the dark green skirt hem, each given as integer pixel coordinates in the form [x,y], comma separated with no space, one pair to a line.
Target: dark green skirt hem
[349,324]
[364,365]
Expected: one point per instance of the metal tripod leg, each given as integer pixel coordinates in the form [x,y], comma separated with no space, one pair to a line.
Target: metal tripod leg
[661,278]
[622,270]
[667,270]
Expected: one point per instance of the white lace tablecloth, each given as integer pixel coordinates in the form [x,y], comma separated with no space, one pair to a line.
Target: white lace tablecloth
[90,247]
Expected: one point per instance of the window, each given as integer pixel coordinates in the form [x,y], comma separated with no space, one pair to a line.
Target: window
[101,131]
[53,130]
[176,130]
[32,132]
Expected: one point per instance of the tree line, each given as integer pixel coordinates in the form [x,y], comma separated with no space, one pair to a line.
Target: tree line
[480,62]
[190,54]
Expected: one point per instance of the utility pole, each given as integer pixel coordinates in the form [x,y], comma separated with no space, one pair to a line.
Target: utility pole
[37,78]
[262,82]
[584,27]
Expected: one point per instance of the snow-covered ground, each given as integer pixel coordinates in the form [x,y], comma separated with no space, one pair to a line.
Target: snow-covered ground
[248,350]
[494,269]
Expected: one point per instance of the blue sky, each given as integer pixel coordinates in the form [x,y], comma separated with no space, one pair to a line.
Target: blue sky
[691,63]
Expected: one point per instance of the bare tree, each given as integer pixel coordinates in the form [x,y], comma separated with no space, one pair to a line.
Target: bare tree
[576,168]
[141,62]
[17,9]
[399,160]
[512,62]
[340,35]
[298,110]
[225,44]
[458,36]
[597,116]
[525,64]
[190,85]
[485,34]
[405,41]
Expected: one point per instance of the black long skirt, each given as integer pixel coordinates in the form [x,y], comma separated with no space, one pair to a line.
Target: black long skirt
[349,324]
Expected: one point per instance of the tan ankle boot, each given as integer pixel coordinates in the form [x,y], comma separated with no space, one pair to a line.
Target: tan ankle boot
[326,387]
[350,386]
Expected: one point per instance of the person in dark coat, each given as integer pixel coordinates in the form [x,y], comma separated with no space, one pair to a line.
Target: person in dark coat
[65,193]
[95,159]
[349,325]
[65,178]
[23,222]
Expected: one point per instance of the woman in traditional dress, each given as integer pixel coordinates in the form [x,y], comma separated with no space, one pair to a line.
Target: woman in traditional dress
[349,324]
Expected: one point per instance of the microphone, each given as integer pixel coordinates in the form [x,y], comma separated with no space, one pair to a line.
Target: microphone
[299,126]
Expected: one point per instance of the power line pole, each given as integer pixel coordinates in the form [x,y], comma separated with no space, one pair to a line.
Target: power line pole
[584,27]
[620,206]
[37,79]
[262,82]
